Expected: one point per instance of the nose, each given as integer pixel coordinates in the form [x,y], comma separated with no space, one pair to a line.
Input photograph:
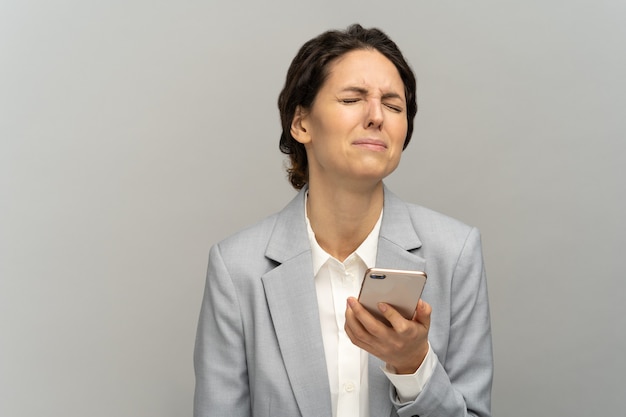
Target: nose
[374,116]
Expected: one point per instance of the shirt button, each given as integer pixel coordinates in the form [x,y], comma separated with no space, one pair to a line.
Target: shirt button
[349,387]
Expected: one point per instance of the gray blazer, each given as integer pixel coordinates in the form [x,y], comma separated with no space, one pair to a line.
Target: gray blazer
[259,348]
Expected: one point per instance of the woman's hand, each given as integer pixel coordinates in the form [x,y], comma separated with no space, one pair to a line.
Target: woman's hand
[403,346]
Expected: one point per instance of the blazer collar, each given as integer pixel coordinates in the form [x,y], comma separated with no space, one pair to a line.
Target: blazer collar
[289,237]
[397,226]
[292,301]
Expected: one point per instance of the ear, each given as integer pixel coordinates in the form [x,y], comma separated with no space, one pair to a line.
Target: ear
[299,126]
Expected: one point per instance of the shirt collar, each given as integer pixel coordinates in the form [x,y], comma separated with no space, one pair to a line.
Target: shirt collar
[366,251]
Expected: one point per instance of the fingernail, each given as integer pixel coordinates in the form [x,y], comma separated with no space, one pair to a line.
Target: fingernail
[351,302]
[382,307]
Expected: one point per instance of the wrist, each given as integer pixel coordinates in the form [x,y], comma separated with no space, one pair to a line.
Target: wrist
[409,367]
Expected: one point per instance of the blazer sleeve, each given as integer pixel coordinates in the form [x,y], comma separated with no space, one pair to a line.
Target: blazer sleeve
[222,387]
[461,384]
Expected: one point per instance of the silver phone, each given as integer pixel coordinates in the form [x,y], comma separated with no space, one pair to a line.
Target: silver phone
[400,289]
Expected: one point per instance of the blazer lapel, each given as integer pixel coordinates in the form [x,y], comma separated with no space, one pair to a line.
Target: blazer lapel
[292,301]
[396,242]
[398,239]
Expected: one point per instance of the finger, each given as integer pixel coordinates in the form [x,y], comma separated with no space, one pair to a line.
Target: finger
[397,321]
[422,313]
[355,330]
[358,335]
[370,323]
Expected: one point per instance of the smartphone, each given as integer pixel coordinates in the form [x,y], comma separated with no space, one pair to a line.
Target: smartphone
[400,289]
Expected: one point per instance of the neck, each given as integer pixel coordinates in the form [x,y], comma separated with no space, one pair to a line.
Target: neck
[342,219]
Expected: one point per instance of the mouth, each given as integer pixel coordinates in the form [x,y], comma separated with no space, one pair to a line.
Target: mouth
[371,144]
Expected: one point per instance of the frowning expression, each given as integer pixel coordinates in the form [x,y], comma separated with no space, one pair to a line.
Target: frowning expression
[356,127]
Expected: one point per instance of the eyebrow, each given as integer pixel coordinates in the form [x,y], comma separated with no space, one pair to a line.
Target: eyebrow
[363,91]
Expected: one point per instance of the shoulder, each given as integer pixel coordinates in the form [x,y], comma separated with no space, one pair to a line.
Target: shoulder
[453,251]
[442,232]
[423,219]
[276,236]
[252,238]
[429,221]
[435,230]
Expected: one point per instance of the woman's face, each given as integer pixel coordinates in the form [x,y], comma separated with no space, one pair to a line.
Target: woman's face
[357,124]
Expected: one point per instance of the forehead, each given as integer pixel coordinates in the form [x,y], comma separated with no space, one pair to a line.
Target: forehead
[364,68]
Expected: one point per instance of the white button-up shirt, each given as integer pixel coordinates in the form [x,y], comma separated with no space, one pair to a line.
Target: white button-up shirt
[347,364]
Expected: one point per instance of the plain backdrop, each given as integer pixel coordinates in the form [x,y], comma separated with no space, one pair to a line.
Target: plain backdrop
[135,134]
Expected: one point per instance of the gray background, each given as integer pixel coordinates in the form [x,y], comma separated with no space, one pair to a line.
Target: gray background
[134,134]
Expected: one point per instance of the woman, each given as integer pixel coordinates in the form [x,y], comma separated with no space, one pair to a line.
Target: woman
[281,332]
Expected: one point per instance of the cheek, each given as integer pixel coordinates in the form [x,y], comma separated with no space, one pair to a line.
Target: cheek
[399,132]
[328,123]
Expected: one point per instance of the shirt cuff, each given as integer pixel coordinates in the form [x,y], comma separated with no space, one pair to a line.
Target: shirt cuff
[409,386]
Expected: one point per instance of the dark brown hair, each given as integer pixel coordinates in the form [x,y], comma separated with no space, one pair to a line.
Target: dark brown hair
[307,74]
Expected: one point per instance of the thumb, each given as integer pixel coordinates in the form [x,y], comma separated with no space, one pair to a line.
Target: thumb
[422,313]
[391,314]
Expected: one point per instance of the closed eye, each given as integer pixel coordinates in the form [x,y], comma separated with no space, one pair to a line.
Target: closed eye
[394,108]
[350,100]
